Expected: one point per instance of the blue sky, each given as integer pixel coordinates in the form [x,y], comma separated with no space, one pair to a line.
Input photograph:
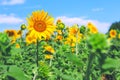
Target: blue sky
[101,12]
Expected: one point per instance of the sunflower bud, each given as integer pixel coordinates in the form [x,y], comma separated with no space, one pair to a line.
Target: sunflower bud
[61,26]
[82,29]
[23,27]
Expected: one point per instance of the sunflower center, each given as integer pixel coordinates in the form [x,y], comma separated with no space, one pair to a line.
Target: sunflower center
[10,33]
[113,33]
[40,26]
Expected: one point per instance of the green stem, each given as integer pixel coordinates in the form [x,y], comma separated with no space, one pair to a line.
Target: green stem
[101,61]
[21,40]
[35,75]
[77,44]
[89,66]
[76,48]
[50,63]
[37,53]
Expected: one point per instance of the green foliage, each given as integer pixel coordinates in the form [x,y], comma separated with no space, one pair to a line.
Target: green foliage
[111,64]
[87,59]
[4,42]
[74,59]
[115,25]
[13,72]
[82,29]
[4,38]
[44,70]
[98,42]
[16,73]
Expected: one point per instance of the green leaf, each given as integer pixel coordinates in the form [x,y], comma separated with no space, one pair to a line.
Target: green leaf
[73,58]
[15,51]
[16,73]
[118,76]
[111,63]
[67,77]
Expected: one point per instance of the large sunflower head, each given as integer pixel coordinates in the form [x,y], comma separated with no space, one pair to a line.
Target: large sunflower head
[40,24]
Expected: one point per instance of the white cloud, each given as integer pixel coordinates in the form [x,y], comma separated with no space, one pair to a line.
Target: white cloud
[10,19]
[102,26]
[12,2]
[97,9]
[32,7]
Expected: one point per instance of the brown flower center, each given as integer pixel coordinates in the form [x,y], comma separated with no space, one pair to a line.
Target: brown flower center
[40,26]
[10,33]
[113,33]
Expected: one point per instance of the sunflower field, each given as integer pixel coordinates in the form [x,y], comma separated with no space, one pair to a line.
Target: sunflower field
[44,50]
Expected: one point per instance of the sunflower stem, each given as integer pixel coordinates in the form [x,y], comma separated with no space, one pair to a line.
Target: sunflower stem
[37,53]
[76,48]
[21,40]
[50,63]
[76,43]
[34,77]
[89,65]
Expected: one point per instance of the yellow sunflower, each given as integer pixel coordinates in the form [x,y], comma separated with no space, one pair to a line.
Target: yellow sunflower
[73,40]
[49,49]
[59,32]
[17,45]
[92,28]
[59,37]
[30,39]
[19,33]
[70,40]
[119,36]
[113,33]
[73,30]
[40,24]
[48,56]
[13,34]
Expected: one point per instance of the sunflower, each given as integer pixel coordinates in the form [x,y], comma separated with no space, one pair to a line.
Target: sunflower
[73,30]
[40,24]
[59,37]
[113,33]
[19,33]
[17,45]
[71,40]
[119,36]
[92,28]
[49,49]
[13,34]
[48,56]
[30,39]
[59,32]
